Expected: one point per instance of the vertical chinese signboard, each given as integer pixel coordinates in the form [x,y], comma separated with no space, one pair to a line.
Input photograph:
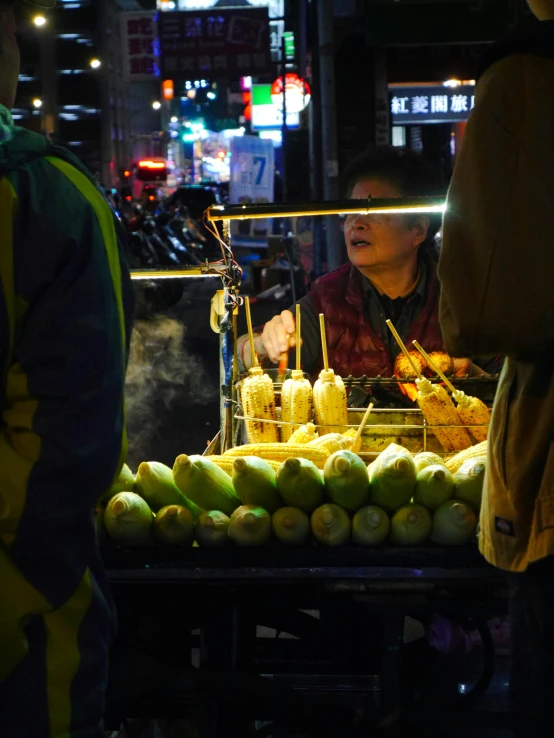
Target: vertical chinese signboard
[140,46]
[430,104]
[219,43]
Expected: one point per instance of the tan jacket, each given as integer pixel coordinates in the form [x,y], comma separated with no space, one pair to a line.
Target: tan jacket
[497,274]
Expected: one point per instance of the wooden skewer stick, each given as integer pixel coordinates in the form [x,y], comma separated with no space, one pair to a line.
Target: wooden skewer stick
[253,357]
[434,367]
[400,342]
[323,342]
[298,338]
[362,425]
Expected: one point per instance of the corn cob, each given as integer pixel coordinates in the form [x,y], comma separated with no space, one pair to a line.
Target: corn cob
[350,435]
[226,463]
[258,401]
[304,434]
[330,404]
[331,442]
[442,361]
[438,409]
[479,451]
[473,411]
[296,403]
[281,452]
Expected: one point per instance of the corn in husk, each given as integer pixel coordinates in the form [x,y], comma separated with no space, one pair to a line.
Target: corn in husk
[330,403]
[438,409]
[479,451]
[296,403]
[304,434]
[226,463]
[281,452]
[473,412]
[258,401]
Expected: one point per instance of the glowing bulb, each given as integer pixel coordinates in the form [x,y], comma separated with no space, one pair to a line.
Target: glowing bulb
[95,63]
[156,105]
[39,21]
[174,119]
[37,102]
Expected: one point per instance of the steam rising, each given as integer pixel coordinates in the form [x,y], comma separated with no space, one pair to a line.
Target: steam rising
[164,380]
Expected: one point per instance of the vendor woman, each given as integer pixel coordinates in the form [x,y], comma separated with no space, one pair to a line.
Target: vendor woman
[391,274]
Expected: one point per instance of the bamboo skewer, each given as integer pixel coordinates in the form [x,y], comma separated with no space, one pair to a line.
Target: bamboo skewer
[323,342]
[434,367]
[253,357]
[400,342]
[298,338]
[362,425]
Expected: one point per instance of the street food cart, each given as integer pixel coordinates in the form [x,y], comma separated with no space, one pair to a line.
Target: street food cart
[320,596]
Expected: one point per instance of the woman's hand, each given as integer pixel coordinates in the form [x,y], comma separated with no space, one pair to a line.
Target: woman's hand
[278,336]
[465,367]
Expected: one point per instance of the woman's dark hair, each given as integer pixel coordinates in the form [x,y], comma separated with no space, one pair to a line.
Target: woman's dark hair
[409,172]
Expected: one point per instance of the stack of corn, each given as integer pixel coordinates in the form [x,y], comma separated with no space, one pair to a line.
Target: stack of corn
[296,403]
[226,463]
[438,410]
[281,452]
[304,434]
[330,403]
[473,412]
[258,401]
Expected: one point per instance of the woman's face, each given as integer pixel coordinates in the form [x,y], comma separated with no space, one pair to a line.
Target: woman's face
[381,241]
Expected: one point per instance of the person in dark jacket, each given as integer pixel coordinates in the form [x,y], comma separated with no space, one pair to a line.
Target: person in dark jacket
[391,274]
[497,269]
[66,310]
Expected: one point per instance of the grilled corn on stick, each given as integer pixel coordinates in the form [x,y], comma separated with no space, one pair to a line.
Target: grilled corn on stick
[258,401]
[296,403]
[304,434]
[330,404]
[281,452]
[350,435]
[438,409]
[479,451]
[473,412]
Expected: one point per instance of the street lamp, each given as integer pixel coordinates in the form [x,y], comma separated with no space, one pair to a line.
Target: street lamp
[95,63]
[174,119]
[156,105]
[39,21]
[37,103]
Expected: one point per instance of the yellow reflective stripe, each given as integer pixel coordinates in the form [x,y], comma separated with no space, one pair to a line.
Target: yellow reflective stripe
[105,219]
[20,449]
[18,600]
[8,203]
[107,226]
[63,656]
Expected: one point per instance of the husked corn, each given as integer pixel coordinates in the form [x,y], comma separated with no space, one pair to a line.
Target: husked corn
[330,403]
[438,409]
[280,452]
[304,434]
[258,401]
[350,435]
[296,403]
[473,412]
[479,451]
[226,463]
[331,442]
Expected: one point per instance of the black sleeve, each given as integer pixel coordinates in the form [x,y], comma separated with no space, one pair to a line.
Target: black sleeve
[311,339]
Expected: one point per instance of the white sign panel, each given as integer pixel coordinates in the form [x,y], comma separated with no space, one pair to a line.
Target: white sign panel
[252,170]
[139,39]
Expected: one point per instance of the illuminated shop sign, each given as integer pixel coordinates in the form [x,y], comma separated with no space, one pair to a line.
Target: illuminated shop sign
[430,104]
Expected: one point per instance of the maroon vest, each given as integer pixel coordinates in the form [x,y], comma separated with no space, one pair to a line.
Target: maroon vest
[354,346]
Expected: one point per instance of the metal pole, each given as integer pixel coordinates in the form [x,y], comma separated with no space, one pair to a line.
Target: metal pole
[284,129]
[329,128]
[49,83]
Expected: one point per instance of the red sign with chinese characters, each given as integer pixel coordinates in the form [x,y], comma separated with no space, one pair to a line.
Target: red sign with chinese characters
[227,43]
[139,38]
